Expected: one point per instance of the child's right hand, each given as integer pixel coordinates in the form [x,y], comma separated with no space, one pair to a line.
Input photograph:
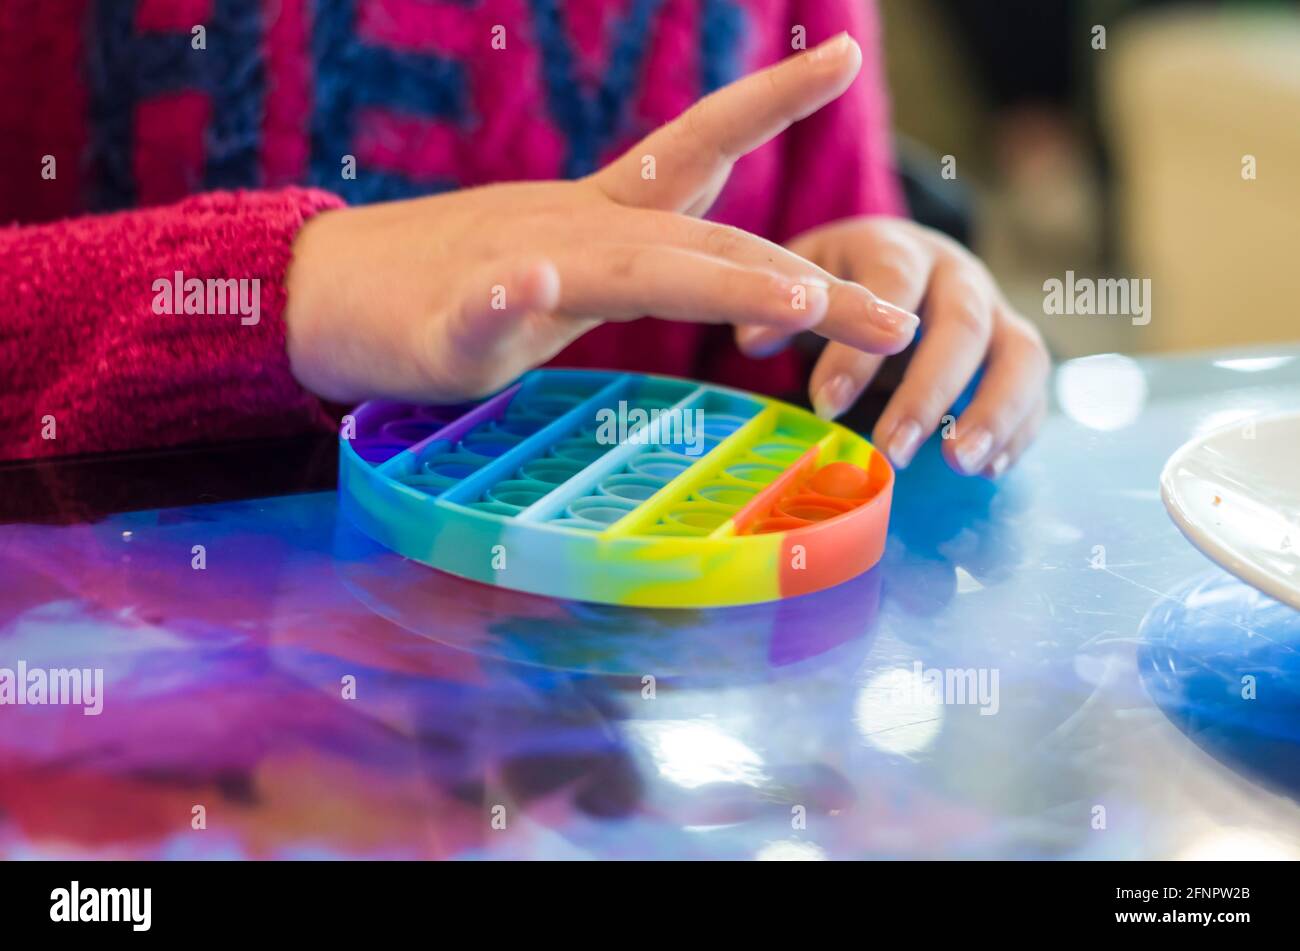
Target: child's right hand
[453,296]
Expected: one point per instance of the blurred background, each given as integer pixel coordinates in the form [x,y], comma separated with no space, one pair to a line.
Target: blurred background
[1138,139]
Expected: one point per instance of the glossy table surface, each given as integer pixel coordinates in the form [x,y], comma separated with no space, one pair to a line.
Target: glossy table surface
[320,697]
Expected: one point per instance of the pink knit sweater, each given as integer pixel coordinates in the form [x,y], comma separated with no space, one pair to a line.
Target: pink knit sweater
[135,146]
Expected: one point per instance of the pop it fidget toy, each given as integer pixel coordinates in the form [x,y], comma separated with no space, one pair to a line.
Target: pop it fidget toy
[620,488]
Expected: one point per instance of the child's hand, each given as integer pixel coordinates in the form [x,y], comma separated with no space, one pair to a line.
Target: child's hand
[453,296]
[967,324]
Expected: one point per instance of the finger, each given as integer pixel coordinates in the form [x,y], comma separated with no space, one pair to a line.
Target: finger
[959,305]
[759,343]
[896,269]
[856,316]
[638,226]
[691,156]
[1013,384]
[1016,446]
[840,376]
[624,282]
[895,266]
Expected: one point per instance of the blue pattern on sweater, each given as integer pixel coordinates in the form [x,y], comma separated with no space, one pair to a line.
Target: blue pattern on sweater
[126,68]
[351,75]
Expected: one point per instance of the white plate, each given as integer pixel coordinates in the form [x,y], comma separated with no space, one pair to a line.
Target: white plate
[1235,494]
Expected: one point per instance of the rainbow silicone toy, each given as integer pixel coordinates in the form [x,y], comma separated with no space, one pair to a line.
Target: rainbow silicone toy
[565,485]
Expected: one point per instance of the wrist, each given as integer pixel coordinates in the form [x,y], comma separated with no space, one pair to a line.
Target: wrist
[303,312]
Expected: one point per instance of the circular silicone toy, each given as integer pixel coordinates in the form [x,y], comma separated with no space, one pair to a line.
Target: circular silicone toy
[620,488]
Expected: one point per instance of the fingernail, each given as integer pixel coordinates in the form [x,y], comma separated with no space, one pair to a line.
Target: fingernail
[829,48]
[972,450]
[832,398]
[904,443]
[762,342]
[894,320]
[999,465]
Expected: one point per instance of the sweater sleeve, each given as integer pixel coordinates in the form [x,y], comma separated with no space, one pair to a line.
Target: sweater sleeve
[101,347]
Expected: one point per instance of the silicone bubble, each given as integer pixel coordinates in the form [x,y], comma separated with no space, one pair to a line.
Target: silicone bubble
[427,482]
[486,442]
[520,492]
[579,450]
[631,487]
[410,429]
[779,524]
[551,471]
[518,427]
[842,480]
[545,407]
[585,525]
[780,451]
[721,424]
[452,465]
[602,509]
[731,496]
[755,473]
[495,508]
[812,508]
[648,404]
[660,465]
[699,516]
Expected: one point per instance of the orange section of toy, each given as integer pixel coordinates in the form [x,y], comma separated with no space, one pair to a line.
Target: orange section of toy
[806,495]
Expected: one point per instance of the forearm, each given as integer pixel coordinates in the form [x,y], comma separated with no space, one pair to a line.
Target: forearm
[152,328]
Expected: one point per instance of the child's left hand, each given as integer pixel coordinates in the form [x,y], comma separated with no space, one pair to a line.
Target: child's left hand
[967,323]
